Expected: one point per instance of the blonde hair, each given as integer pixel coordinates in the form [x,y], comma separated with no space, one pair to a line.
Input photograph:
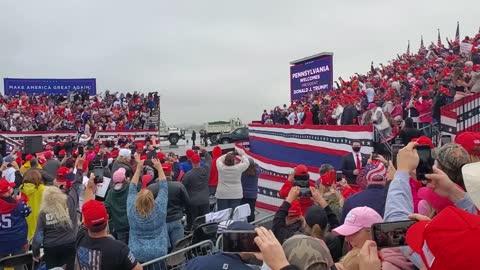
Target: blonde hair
[144,203]
[33,177]
[351,260]
[54,205]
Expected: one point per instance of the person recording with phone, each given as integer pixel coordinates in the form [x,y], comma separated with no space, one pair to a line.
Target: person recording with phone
[238,252]
[300,178]
[57,224]
[116,205]
[229,190]
[196,184]
[399,204]
[148,236]
[314,221]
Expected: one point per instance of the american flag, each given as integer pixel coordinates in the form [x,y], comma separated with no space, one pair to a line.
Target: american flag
[457,33]
[374,169]
[439,40]
[422,46]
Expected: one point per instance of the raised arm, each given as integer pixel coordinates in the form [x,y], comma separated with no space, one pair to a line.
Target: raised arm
[74,193]
[399,203]
[132,191]
[244,162]
[162,197]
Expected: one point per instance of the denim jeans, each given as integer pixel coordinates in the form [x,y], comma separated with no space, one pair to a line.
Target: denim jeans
[175,232]
[227,203]
[250,202]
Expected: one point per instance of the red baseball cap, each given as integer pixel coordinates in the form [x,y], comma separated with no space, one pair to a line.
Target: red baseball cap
[62,153]
[115,153]
[62,173]
[448,241]
[5,186]
[189,153]
[160,156]
[167,168]
[470,141]
[94,213]
[146,179]
[28,157]
[48,154]
[328,178]
[424,140]
[195,158]
[301,170]
[295,209]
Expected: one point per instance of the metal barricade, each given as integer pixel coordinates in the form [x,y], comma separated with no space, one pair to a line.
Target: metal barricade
[266,221]
[177,260]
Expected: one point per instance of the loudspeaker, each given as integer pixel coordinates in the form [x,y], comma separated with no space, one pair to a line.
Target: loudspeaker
[33,144]
[3,148]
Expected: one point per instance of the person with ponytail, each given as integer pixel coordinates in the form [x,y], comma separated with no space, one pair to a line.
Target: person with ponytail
[57,223]
[148,237]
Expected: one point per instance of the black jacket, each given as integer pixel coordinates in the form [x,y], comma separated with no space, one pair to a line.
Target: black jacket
[283,232]
[196,183]
[348,115]
[314,111]
[178,199]
[349,165]
[407,134]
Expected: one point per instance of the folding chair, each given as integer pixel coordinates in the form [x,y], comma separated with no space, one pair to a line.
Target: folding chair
[25,260]
[183,243]
[241,213]
[197,222]
[204,232]
[212,203]
[219,216]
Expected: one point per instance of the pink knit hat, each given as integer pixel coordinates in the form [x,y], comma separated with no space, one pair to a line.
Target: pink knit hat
[119,176]
[436,201]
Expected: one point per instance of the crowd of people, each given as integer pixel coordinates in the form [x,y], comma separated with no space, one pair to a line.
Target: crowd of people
[413,85]
[49,112]
[118,204]
[61,214]
[146,196]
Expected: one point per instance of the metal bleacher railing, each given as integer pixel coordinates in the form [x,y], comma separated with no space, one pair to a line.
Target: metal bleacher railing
[178,259]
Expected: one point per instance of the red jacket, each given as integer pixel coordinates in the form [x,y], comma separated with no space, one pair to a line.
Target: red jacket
[424,109]
[397,110]
[213,178]
[305,202]
[308,118]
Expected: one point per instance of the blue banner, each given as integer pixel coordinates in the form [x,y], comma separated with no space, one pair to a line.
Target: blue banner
[49,86]
[311,75]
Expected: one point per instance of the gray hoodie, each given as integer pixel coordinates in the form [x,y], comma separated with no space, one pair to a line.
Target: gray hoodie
[48,232]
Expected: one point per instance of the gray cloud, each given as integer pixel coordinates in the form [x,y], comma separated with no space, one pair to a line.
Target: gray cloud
[212,60]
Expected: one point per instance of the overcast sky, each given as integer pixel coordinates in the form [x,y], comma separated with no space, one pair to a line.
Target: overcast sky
[212,60]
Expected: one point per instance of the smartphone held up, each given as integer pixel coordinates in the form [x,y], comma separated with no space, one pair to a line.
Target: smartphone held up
[425,164]
[239,241]
[391,234]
